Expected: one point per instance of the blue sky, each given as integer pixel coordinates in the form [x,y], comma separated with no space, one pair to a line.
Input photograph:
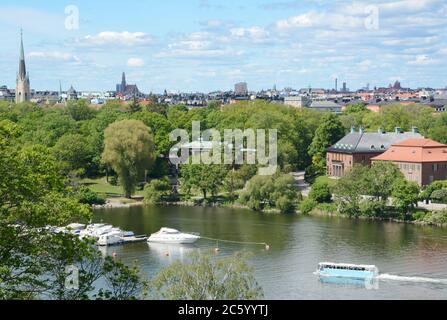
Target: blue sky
[207,45]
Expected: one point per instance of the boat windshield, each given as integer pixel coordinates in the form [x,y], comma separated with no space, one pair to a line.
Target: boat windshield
[344,267]
[169,231]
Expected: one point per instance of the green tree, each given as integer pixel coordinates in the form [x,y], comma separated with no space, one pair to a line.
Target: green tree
[320,192]
[207,179]
[129,150]
[405,196]
[380,179]
[157,191]
[263,192]
[348,191]
[207,278]
[329,131]
[75,152]
[79,110]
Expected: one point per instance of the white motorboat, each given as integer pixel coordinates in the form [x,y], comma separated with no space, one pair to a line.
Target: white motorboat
[110,239]
[168,235]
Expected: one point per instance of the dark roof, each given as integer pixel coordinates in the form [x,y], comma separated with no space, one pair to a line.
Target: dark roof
[370,142]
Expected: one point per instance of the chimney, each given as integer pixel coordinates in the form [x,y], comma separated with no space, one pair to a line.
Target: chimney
[415,129]
[352,129]
[397,130]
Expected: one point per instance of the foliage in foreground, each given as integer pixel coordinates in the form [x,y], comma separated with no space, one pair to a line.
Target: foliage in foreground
[208,278]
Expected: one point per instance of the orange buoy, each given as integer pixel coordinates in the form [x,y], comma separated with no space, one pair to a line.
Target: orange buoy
[216,250]
[167,254]
[114,255]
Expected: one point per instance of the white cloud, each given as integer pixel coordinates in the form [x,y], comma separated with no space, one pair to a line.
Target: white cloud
[135,62]
[421,60]
[53,55]
[117,38]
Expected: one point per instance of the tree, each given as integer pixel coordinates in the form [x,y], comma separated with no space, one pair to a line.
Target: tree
[380,179]
[79,110]
[157,191]
[233,182]
[205,178]
[263,192]
[320,192]
[329,131]
[75,152]
[129,150]
[405,196]
[206,278]
[348,191]
[33,259]
[134,106]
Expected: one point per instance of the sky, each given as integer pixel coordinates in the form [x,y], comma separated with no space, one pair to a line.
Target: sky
[209,45]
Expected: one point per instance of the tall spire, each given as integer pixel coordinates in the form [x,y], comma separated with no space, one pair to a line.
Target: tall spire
[22,66]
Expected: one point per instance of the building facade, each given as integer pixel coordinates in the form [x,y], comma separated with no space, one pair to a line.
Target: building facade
[241,89]
[23,90]
[359,148]
[420,160]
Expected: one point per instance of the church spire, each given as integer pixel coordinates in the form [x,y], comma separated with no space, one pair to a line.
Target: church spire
[22,66]
[23,91]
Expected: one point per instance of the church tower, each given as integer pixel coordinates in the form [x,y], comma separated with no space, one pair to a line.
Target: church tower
[23,91]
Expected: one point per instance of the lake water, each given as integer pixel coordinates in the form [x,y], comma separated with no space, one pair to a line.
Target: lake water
[412,259]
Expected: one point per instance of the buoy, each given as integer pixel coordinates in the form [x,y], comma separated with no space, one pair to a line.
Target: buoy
[114,255]
[216,250]
[167,254]
[267,247]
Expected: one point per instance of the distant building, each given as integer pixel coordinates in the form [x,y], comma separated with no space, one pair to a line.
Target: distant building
[420,160]
[241,89]
[297,101]
[326,105]
[360,147]
[23,90]
[72,94]
[127,89]
[6,94]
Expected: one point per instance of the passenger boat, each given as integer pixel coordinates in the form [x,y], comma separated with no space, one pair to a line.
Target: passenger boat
[346,270]
[168,235]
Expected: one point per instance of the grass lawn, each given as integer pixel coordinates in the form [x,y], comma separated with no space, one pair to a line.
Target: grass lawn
[329,181]
[101,186]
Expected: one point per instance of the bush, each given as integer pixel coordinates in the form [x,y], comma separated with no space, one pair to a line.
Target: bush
[264,192]
[373,209]
[87,196]
[439,196]
[157,191]
[436,218]
[307,205]
[320,192]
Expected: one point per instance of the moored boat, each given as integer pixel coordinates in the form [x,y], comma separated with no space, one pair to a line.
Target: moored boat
[168,235]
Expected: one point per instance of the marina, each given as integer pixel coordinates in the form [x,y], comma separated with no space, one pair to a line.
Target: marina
[412,259]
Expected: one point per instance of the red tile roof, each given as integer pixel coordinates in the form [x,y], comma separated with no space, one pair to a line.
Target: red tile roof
[415,150]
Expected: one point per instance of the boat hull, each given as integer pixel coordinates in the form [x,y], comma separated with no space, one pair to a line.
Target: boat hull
[171,240]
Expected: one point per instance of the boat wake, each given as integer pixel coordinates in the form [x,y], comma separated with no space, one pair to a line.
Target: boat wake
[392,277]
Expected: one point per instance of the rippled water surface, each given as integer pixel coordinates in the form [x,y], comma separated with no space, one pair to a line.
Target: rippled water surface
[412,259]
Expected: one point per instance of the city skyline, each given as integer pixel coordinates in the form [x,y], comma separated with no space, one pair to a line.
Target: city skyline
[264,43]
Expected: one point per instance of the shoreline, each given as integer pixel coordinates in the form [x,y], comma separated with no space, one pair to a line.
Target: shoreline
[315,212]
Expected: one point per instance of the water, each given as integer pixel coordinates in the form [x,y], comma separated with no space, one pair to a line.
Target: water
[412,259]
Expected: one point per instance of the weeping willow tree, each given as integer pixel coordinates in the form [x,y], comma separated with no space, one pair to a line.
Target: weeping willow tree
[129,150]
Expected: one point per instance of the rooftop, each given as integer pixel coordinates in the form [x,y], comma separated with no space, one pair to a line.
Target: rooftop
[415,150]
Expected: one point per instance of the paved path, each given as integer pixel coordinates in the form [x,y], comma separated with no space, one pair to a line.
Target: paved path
[300,183]
[432,206]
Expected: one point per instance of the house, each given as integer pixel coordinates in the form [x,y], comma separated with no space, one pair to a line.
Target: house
[360,147]
[420,160]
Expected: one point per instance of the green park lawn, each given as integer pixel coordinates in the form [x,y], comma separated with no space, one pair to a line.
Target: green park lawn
[331,182]
[101,187]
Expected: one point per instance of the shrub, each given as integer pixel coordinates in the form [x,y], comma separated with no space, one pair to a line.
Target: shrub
[436,218]
[157,191]
[87,196]
[439,196]
[320,192]
[307,205]
[373,209]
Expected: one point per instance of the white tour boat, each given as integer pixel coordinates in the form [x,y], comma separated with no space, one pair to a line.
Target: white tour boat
[168,235]
[346,270]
